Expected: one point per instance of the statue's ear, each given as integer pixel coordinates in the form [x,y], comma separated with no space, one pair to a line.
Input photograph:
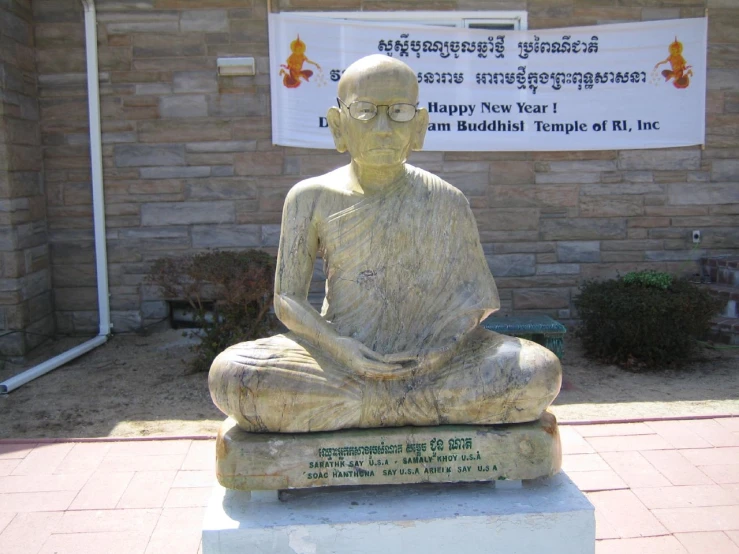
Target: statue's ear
[421,123]
[334,123]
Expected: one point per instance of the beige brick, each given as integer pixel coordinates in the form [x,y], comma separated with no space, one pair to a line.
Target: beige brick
[532,299]
[511,219]
[706,221]
[670,176]
[485,156]
[723,26]
[152,45]
[119,40]
[605,14]
[258,163]
[675,210]
[184,131]
[611,206]
[61,60]
[197,4]
[583,229]
[54,35]
[646,222]
[511,173]
[251,128]
[559,195]
[248,30]
[546,258]
[723,55]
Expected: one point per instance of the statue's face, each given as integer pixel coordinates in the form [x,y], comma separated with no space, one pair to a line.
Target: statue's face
[380,141]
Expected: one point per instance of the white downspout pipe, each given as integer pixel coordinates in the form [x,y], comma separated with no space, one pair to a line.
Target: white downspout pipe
[98,211]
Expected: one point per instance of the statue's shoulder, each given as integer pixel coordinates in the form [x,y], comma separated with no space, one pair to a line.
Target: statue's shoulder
[439,189]
[321,185]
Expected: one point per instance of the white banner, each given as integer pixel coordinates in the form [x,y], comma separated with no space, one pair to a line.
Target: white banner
[621,86]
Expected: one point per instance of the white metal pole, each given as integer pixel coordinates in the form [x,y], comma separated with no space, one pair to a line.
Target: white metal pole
[98,210]
[96,159]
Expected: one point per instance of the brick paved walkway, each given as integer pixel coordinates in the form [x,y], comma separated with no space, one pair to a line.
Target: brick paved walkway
[658,488]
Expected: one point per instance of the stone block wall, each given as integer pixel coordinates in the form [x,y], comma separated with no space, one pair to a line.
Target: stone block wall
[26,317]
[189,162]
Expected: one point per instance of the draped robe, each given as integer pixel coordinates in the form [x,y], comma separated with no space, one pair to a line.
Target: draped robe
[405,273]
[405,266]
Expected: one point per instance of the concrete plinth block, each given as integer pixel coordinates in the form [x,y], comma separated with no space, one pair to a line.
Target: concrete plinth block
[545,515]
[447,453]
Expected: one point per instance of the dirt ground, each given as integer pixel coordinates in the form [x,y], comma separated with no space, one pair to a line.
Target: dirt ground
[136,386]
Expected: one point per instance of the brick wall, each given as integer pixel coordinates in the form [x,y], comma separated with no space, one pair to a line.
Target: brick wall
[26,317]
[189,162]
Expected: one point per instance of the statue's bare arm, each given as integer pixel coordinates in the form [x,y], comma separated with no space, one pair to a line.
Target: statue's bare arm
[295,261]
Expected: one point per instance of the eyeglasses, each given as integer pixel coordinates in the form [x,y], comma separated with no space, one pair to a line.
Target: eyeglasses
[365,111]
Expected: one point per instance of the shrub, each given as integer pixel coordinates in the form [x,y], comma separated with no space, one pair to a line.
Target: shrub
[237,285]
[644,319]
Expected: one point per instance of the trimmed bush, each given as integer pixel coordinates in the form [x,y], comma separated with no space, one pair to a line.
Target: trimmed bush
[645,319]
[238,286]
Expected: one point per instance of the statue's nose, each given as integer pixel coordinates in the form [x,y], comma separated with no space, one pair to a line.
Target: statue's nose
[383,120]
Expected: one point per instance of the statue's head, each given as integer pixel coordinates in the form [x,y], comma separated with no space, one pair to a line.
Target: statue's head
[377,120]
[676,47]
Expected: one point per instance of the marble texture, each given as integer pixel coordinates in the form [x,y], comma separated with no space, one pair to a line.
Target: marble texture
[400,455]
[397,341]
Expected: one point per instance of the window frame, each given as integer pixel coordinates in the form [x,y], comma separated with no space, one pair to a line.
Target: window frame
[458,19]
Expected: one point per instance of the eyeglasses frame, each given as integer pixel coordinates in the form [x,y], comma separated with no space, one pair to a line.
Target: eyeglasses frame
[378,106]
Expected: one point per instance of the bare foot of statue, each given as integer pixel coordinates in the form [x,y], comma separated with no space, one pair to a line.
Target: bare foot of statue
[398,340]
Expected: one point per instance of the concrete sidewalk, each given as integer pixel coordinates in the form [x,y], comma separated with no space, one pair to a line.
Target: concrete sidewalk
[661,487]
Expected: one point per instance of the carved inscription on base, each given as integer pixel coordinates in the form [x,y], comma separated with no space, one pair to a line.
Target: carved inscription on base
[251,461]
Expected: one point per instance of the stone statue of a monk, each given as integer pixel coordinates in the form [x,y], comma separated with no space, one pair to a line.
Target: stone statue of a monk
[398,340]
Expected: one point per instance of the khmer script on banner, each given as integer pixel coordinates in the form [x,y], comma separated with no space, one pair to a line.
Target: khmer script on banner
[620,86]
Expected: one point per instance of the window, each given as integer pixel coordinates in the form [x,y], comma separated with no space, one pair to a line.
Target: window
[498,20]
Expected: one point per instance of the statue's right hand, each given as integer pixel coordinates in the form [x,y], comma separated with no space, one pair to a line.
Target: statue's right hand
[365,361]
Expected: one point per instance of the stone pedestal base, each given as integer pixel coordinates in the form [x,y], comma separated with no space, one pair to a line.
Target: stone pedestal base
[547,515]
[264,461]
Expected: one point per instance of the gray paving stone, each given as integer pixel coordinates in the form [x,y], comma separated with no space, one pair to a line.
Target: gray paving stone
[227,236]
[583,229]
[558,269]
[472,184]
[124,321]
[583,166]
[541,299]
[115,138]
[725,170]
[183,105]
[153,309]
[142,155]
[175,172]
[686,194]
[659,159]
[185,213]
[146,89]
[578,251]
[154,238]
[222,146]
[222,171]
[128,27]
[270,235]
[512,265]
[207,21]
[622,188]
[195,81]
[237,105]
[567,177]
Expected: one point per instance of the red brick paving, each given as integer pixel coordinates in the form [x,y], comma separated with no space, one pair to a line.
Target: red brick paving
[658,488]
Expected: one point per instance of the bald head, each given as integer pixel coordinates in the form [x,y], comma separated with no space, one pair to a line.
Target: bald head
[380,140]
[374,68]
